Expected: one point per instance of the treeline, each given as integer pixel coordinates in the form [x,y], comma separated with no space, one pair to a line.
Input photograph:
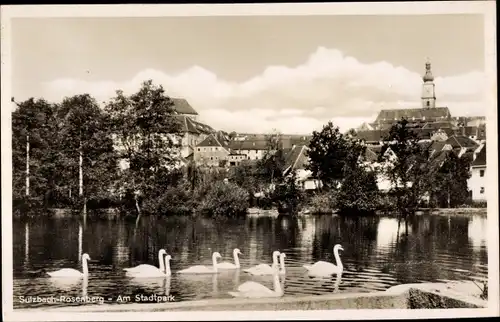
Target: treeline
[126,154]
[76,154]
[416,178]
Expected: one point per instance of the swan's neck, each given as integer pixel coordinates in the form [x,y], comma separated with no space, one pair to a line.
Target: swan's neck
[236,260]
[85,267]
[168,272]
[214,261]
[161,260]
[275,260]
[282,264]
[337,259]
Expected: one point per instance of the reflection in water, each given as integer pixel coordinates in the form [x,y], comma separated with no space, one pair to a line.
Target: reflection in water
[378,254]
[160,286]
[26,244]
[477,232]
[85,285]
[80,242]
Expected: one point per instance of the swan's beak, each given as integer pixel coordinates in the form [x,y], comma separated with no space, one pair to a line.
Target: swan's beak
[341,248]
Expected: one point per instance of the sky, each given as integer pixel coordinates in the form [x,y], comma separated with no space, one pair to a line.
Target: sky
[258,73]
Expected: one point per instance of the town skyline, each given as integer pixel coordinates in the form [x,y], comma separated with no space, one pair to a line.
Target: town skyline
[295,81]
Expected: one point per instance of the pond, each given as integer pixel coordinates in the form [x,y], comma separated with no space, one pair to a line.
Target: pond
[377,254]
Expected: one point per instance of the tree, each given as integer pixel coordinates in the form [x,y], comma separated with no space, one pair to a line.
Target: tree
[450,181]
[86,138]
[271,166]
[288,195]
[406,167]
[148,137]
[330,152]
[32,132]
[358,192]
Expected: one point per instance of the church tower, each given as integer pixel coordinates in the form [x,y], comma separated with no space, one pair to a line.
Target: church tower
[428,93]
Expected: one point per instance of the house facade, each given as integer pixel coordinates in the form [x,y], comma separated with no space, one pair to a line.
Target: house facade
[192,133]
[478,181]
[213,151]
[253,149]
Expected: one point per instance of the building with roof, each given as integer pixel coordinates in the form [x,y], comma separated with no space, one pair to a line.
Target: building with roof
[461,144]
[213,151]
[478,181]
[182,107]
[192,133]
[296,160]
[424,121]
[253,149]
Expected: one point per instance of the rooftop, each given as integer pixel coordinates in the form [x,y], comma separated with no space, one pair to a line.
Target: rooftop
[182,106]
[480,160]
[392,115]
[460,141]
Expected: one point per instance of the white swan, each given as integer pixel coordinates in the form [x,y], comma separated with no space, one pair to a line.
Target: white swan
[322,268]
[255,290]
[146,267]
[202,269]
[71,272]
[282,264]
[151,271]
[265,269]
[228,265]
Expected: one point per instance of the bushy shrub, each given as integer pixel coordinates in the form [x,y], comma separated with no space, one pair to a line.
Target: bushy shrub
[479,204]
[223,199]
[177,200]
[322,203]
[288,196]
[358,192]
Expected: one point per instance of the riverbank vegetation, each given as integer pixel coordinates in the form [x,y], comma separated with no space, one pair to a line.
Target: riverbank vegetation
[126,154]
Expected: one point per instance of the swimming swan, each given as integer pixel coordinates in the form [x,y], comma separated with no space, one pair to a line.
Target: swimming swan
[227,265]
[202,269]
[147,270]
[322,268]
[71,272]
[152,271]
[265,269]
[255,290]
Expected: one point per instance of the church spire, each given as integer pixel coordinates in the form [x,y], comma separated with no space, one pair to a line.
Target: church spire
[428,93]
[428,74]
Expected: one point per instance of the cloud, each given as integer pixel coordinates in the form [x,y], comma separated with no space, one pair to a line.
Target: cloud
[327,86]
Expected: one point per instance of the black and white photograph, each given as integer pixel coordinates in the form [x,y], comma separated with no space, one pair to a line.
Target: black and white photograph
[252,161]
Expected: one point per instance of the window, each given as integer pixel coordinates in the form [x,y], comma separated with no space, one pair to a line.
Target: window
[481,190]
[199,149]
[428,103]
[481,173]
[211,158]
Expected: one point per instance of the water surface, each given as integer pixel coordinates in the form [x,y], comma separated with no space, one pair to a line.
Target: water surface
[378,253]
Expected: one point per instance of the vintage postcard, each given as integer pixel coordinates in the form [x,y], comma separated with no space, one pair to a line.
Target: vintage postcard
[258,161]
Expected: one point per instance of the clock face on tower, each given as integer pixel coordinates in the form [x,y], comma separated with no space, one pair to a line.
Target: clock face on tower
[428,91]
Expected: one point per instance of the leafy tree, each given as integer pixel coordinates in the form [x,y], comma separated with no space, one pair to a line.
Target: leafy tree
[288,195]
[272,164]
[32,132]
[328,152]
[148,136]
[450,181]
[407,167]
[88,145]
[358,192]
